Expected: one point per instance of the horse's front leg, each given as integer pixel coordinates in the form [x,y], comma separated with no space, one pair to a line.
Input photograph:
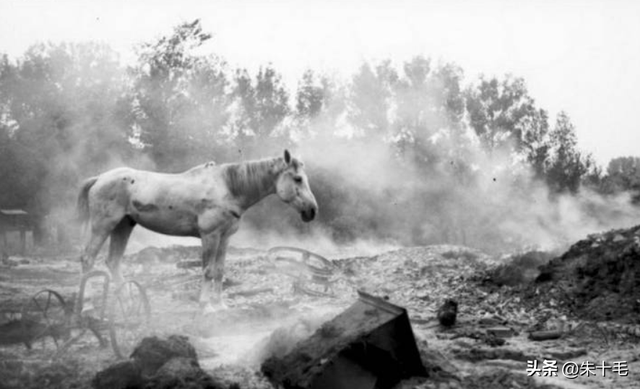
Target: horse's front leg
[218,272]
[211,273]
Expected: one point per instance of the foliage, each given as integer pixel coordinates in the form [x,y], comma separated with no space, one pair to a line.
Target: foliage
[262,105]
[623,174]
[567,164]
[69,111]
[369,99]
[60,120]
[498,111]
[179,99]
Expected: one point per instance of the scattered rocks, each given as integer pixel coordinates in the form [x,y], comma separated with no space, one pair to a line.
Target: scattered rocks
[501,378]
[475,354]
[565,353]
[415,277]
[500,332]
[447,313]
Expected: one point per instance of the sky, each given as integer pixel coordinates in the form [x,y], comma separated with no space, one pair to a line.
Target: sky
[582,57]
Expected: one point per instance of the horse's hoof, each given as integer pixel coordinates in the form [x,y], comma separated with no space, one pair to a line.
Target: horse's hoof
[209,308]
[88,307]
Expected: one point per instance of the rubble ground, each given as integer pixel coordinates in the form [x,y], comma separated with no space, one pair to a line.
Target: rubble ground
[500,302]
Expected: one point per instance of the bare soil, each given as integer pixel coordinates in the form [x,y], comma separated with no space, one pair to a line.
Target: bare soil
[267,316]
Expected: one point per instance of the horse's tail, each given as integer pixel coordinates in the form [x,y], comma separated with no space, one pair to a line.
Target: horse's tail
[83,200]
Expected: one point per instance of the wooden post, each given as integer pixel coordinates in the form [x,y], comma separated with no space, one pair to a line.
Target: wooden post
[23,241]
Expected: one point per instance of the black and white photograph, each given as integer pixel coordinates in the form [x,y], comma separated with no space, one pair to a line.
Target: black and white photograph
[319,194]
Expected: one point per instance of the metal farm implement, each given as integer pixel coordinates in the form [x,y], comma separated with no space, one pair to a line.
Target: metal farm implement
[312,273]
[122,314]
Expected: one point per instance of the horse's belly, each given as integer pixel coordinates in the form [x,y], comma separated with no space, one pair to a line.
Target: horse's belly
[176,224]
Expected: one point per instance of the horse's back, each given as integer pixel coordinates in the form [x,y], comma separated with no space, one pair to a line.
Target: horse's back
[128,184]
[209,168]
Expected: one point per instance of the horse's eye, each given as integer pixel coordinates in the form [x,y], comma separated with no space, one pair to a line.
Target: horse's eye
[297,179]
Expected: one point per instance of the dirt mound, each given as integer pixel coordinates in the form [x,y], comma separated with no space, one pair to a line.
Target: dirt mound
[158,363]
[153,352]
[598,277]
[516,269]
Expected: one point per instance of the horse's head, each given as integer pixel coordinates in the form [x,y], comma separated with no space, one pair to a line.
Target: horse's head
[292,187]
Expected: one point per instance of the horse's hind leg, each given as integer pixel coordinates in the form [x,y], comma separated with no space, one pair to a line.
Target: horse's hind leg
[96,240]
[119,238]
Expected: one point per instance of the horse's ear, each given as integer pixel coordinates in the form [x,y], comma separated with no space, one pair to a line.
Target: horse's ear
[287,157]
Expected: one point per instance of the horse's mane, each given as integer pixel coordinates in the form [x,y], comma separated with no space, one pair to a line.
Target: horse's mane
[252,178]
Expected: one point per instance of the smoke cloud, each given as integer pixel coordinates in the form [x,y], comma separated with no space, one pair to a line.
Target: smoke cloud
[372,194]
[371,197]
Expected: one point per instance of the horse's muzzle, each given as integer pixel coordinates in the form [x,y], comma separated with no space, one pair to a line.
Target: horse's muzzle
[308,214]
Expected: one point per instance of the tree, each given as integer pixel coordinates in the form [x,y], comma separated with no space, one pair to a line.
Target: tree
[622,175]
[272,101]
[416,113]
[500,112]
[310,96]
[59,105]
[262,106]
[535,141]
[566,165]
[369,99]
[429,111]
[180,99]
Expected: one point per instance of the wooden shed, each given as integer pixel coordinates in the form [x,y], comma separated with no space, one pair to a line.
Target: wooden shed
[15,220]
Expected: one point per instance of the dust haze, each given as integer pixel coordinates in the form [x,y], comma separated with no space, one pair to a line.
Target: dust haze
[392,204]
[373,195]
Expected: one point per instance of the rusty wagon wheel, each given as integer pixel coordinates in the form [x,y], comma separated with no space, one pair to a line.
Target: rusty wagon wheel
[129,317]
[46,314]
[306,267]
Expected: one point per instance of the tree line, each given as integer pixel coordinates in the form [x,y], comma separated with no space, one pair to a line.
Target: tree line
[69,111]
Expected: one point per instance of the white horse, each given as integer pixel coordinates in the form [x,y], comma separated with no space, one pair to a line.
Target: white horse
[206,201]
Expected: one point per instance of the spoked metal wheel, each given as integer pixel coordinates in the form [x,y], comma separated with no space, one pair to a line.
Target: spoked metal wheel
[45,315]
[313,274]
[129,318]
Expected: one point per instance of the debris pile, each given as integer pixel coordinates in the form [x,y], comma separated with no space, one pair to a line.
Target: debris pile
[598,278]
[418,278]
[518,269]
[495,314]
[158,363]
